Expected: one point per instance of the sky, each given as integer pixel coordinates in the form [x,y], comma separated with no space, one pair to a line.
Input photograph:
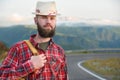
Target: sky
[89,11]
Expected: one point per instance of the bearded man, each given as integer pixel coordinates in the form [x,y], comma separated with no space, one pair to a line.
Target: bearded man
[50,63]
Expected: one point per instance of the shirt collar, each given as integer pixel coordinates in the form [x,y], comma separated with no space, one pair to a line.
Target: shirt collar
[35,44]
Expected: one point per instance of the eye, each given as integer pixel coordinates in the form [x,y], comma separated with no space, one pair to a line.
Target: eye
[53,18]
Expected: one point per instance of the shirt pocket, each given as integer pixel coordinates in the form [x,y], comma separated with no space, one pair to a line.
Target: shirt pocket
[56,64]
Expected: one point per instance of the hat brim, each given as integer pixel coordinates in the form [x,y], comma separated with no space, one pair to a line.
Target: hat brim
[58,14]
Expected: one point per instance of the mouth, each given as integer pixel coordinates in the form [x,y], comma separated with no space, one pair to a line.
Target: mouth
[48,26]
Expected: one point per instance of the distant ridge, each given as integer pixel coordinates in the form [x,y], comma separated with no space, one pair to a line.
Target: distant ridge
[75,36]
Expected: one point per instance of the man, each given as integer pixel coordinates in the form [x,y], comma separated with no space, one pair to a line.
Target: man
[50,64]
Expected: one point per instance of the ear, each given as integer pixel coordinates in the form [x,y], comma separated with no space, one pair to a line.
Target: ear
[35,20]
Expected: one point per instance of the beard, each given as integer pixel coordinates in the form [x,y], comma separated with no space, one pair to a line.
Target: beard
[45,33]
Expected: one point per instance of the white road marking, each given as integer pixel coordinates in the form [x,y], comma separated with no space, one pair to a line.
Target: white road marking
[79,65]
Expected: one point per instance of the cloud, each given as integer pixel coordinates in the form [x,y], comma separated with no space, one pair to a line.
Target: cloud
[96,21]
[104,21]
[14,19]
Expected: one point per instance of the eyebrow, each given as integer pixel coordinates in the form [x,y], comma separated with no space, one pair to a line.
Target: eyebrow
[46,15]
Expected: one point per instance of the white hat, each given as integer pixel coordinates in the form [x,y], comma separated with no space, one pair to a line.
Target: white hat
[45,8]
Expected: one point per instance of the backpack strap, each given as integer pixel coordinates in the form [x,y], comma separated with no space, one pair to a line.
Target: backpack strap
[34,51]
[32,48]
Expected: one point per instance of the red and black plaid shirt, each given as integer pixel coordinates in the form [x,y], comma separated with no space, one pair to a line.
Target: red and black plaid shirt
[17,64]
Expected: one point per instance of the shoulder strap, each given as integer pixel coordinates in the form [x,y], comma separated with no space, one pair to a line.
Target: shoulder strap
[34,51]
[32,48]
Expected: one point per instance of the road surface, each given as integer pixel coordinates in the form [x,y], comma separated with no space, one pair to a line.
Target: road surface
[76,73]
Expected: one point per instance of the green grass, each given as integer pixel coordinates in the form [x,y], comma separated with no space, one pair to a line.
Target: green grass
[107,67]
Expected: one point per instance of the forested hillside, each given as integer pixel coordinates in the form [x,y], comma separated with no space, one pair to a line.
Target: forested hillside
[69,37]
[3,50]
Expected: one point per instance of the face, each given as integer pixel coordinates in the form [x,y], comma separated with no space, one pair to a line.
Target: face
[46,25]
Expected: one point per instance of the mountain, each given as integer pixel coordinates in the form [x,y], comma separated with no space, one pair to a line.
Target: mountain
[70,37]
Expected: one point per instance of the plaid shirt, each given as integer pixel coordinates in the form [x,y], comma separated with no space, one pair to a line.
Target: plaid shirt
[17,64]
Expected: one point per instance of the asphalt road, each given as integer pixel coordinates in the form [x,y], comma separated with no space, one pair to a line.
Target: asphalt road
[75,73]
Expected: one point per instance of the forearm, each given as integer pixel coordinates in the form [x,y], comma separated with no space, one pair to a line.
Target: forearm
[11,73]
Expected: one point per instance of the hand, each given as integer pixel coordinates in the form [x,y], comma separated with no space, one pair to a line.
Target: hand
[38,61]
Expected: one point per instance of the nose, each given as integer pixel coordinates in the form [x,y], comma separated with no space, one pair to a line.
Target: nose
[48,20]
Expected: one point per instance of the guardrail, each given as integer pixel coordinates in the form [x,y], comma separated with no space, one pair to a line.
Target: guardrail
[116,50]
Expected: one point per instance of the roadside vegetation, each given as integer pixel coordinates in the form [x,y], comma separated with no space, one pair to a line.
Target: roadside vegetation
[3,50]
[106,50]
[109,68]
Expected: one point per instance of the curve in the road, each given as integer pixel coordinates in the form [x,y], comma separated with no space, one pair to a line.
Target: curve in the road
[81,67]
